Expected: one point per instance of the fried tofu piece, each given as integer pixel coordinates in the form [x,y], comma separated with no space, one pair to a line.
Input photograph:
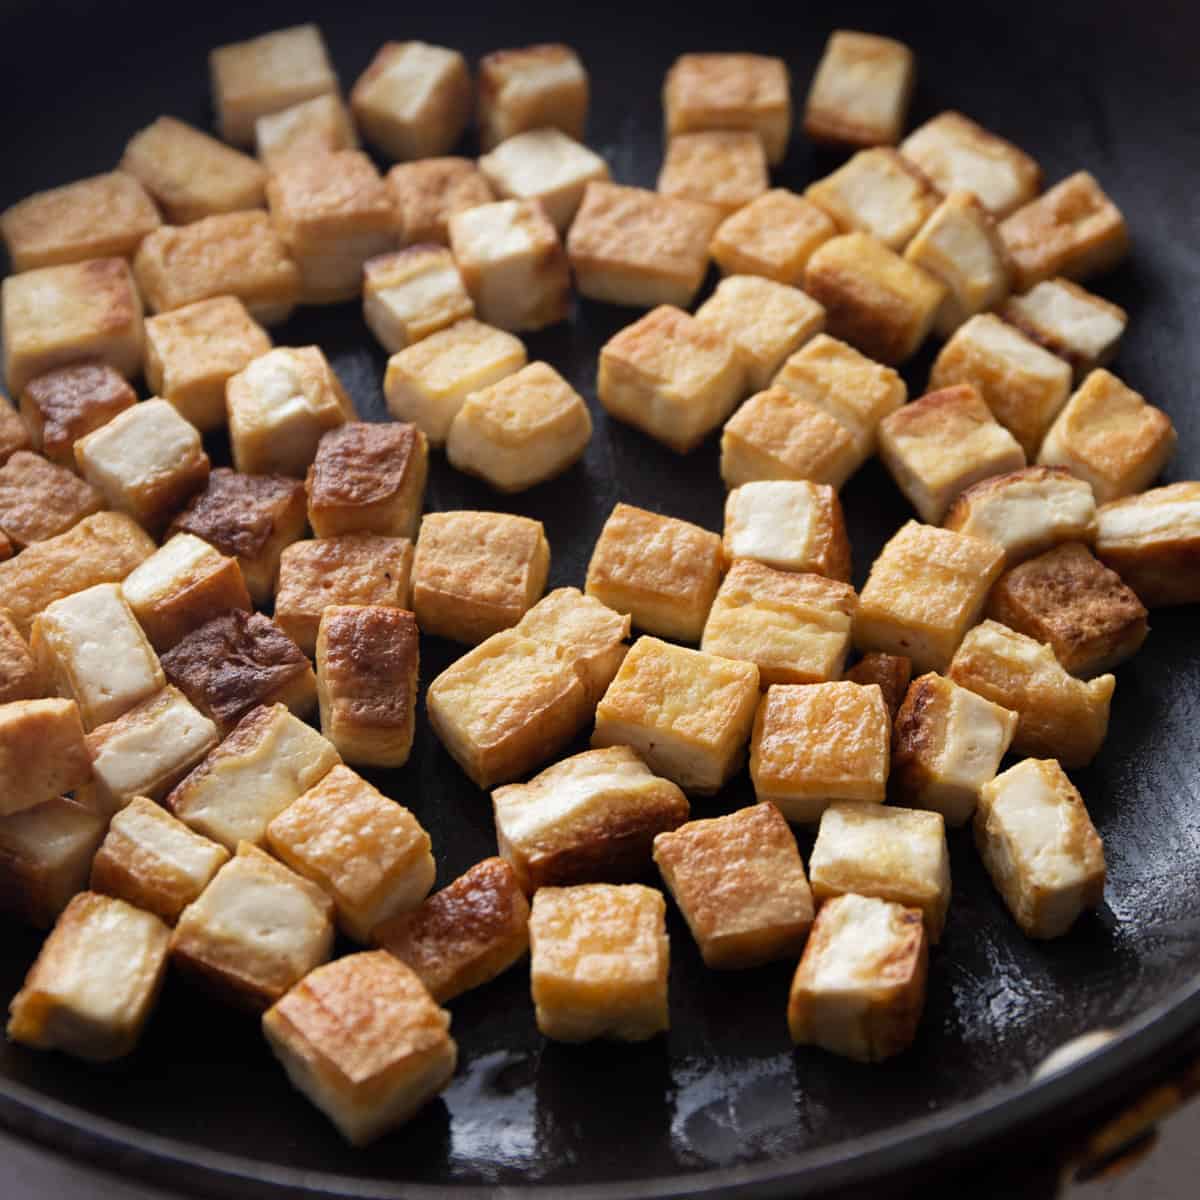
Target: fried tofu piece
[947,742]
[321,125]
[791,525]
[14,435]
[104,216]
[426,194]
[270,759]
[475,573]
[1069,321]
[860,988]
[521,431]
[1108,435]
[687,713]
[20,676]
[414,100]
[938,446]
[892,672]
[1040,847]
[507,706]
[265,75]
[600,960]
[1074,229]
[279,406]
[773,236]
[64,405]
[726,169]
[192,352]
[256,930]
[411,293]
[57,316]
[42,752]
[957,155]
[1057,714]
[362,1039]
[925,590]
[662,571]
[154,861]
[95,982]
[877,301]
[860,91]
[190,174]
[591,818]
[1068,600]
[635,247]
[531,88]
[465,935]
[235,254]
[1153,542]
[39,500]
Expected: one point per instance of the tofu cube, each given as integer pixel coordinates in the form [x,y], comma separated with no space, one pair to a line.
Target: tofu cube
[321,125]
[947,743]
[773,236]
[57,316]
[95,982]
[39,500]
[147,462]
[860,91]
[1108,435]
[1074,229]
[672,376]
[600,959]
[521,431]
[531,88]
[860,988]
[687,713]
[874,299]
[270,759]
[591,818]
[42,752]
[20,676]
[105,216]
[635,247]
[740,884]
[192,352]
[14,435]
[791,525]
[411,293]
[1153,542]
[957,155]
[66,404]
[368,658]
[190,174]
[279,406]
[426,194]
[513,264]
[465,935]
[256,930]
[726,169]
[265,75]
[938,446]
[507,706]
[154,861]
[892,672]
[1056,713]
[1070,601]
[362,1039]
[925,590]
[1069,321]
[414,100]
[367,852]
[475,573]
[1040,847]
[236,254]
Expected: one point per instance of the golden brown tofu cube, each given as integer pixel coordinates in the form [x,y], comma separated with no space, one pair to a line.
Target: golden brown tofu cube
[1108,435]
[56,316]
[531,88]
[317,126]
[411,293]
[465,935]
[635,247]
[64,405]
[773,236]
[873,298]
[42,752]
[14,433]
[105,216]
[600,960]
[724,168]
[1153,542]
[860,91]
[428,193]
[95,982]
[362,1039]
[892,672]
[256,930]
[39,500]
[368,478]
[925,590]
[20,677]
[687,713]
[740,884]
[591,818]
[1057,714]
[860,988]
[1069,321]
[1074,229]
[791,525]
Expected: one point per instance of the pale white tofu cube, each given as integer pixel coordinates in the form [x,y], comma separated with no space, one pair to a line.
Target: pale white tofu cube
[792,525]
[1069,321]
[322,124]
[861,90]
[531,88]
[411,293]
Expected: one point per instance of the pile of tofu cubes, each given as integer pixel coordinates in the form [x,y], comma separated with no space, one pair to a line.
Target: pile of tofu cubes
[164,797]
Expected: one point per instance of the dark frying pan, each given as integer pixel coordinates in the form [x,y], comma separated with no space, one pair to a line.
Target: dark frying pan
[723,1105]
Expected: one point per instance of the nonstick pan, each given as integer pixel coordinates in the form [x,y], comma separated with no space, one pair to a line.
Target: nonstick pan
[723,1105]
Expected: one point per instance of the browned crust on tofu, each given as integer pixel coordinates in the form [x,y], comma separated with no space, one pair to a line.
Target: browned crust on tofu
[960,510]
[238,514]
[20,678]
[369,656]
[64,405]
[243,738]
[917,735]
[428,193]
[314,196]
[14,433]
[1012,312]
[892,672]
[363,463]
[39,500]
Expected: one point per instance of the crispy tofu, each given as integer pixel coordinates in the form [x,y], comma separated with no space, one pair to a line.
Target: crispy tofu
[726,169]
[1069,321]
[20,676]
[64,405]
[860,91]
[42,752]
[411,293]
[531,88]
[1152,542]
[14,434]
[892,672]
[39,499]
[317,126]
[426,194]
[773,236]
[791,525]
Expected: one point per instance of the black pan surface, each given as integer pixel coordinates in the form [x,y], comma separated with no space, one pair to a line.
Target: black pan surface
[723,1101]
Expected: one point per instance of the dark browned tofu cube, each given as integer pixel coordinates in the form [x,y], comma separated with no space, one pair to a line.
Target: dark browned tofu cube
[39,500]
[62,406]
[893,673]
